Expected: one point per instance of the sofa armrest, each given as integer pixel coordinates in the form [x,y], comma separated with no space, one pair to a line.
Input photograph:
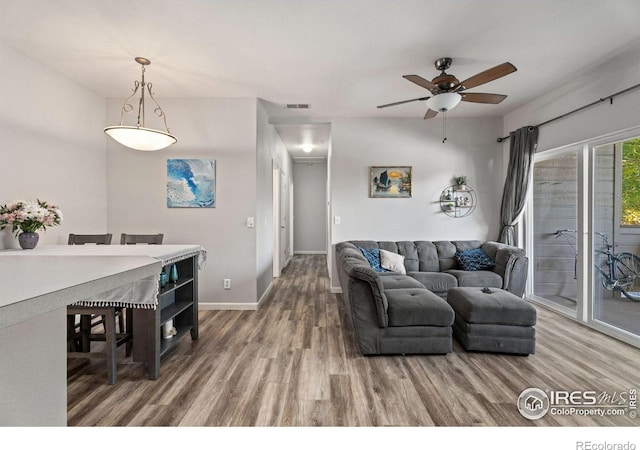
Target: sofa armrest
[515,277]
[511,265]
[362,299]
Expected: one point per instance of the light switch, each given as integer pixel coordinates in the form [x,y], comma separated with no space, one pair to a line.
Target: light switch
[336,220]
[250,222]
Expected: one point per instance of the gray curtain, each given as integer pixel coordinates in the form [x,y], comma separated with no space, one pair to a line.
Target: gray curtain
[522,147]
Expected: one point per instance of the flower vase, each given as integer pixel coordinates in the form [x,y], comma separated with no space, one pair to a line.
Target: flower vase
[173,274]
[163,278]
[28,241]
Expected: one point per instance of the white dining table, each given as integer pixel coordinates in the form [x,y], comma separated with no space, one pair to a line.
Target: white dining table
[34,294]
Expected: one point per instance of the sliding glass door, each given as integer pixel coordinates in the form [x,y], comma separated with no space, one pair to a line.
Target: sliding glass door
[616,235]
[554,225]
[582,232]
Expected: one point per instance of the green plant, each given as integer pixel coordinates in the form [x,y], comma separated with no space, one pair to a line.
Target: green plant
[461,180]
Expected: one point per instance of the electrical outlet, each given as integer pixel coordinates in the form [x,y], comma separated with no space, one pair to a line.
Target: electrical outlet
[227,283]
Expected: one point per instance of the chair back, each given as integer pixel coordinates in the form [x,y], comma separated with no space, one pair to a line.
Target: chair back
[131,239]
[81,239]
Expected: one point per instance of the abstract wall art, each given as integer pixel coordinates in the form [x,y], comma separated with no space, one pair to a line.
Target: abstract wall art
[191,183]
[390,182]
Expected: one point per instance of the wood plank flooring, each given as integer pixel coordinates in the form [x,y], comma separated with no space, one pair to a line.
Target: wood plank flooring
[294,362]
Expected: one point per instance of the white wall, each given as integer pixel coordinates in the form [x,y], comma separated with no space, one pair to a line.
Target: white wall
[53,147]
[221,129]
[470,149]
[310,207]
[595,83]
[270,151]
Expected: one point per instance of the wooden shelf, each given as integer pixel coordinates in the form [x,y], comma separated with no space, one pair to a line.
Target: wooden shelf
[176,301]
[173,286]
[168,344]
[173,310]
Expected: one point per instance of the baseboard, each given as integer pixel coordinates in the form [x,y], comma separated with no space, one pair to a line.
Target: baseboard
[302,252]
[335,290]
[267,291]
[237,306]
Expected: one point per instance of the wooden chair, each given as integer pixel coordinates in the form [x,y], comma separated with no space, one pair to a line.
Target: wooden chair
[98,239]
[132,239]
[81,239]
[80,335]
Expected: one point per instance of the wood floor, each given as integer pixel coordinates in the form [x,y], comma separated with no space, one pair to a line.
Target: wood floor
[294,362]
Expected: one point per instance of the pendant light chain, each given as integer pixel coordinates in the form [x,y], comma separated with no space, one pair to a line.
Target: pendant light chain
[444,126]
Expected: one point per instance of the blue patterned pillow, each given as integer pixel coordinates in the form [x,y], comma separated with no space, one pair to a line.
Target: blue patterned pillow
[475,259]
[373,256]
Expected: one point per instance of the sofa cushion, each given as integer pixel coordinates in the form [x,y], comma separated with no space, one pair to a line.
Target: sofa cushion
[392,261]
[435,281]
[415,307]
[373,257]
[398,281]
[474,259]
[499,308]
[481,278]
[427,255]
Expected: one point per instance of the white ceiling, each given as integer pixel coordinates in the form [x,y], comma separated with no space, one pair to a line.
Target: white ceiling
[343,57]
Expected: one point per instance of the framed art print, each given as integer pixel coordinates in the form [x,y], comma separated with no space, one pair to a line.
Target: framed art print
[191,183]
[390,182]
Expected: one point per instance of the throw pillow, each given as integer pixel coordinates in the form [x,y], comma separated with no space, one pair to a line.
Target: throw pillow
[373,256]
[475,259]
[392,261]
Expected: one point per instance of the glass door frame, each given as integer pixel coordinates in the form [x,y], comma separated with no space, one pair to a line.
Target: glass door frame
[528,219]
[585,240]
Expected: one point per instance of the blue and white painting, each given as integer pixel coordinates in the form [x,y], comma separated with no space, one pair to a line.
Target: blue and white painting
[191,183]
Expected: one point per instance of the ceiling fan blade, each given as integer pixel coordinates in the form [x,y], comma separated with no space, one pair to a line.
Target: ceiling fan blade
[417,79]
[430,114]
[474,97]
[488,75]
[404,101]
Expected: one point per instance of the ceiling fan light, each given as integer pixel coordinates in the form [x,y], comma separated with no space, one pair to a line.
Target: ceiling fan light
[444,102]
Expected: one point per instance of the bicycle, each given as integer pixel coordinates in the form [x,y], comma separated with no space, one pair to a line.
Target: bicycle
[620,270]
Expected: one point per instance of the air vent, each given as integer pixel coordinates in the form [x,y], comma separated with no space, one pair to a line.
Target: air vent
[297,106]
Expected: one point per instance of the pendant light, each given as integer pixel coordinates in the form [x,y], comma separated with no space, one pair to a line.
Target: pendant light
[138,137]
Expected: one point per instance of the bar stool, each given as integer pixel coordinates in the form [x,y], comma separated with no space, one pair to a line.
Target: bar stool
[80,335]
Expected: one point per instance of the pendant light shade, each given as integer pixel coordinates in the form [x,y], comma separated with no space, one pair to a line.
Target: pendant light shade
[138,137]
[444,102]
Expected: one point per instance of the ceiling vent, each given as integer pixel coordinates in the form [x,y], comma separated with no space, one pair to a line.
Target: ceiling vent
[297,106]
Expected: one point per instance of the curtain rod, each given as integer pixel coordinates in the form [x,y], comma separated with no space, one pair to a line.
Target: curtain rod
[610,98]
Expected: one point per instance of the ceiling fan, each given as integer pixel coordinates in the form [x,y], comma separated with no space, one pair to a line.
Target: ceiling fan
[447,91]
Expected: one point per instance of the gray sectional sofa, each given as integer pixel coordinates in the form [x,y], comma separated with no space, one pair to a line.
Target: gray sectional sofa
[407,313]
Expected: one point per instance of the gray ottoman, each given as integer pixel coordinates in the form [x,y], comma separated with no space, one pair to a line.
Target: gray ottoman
[499,322]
